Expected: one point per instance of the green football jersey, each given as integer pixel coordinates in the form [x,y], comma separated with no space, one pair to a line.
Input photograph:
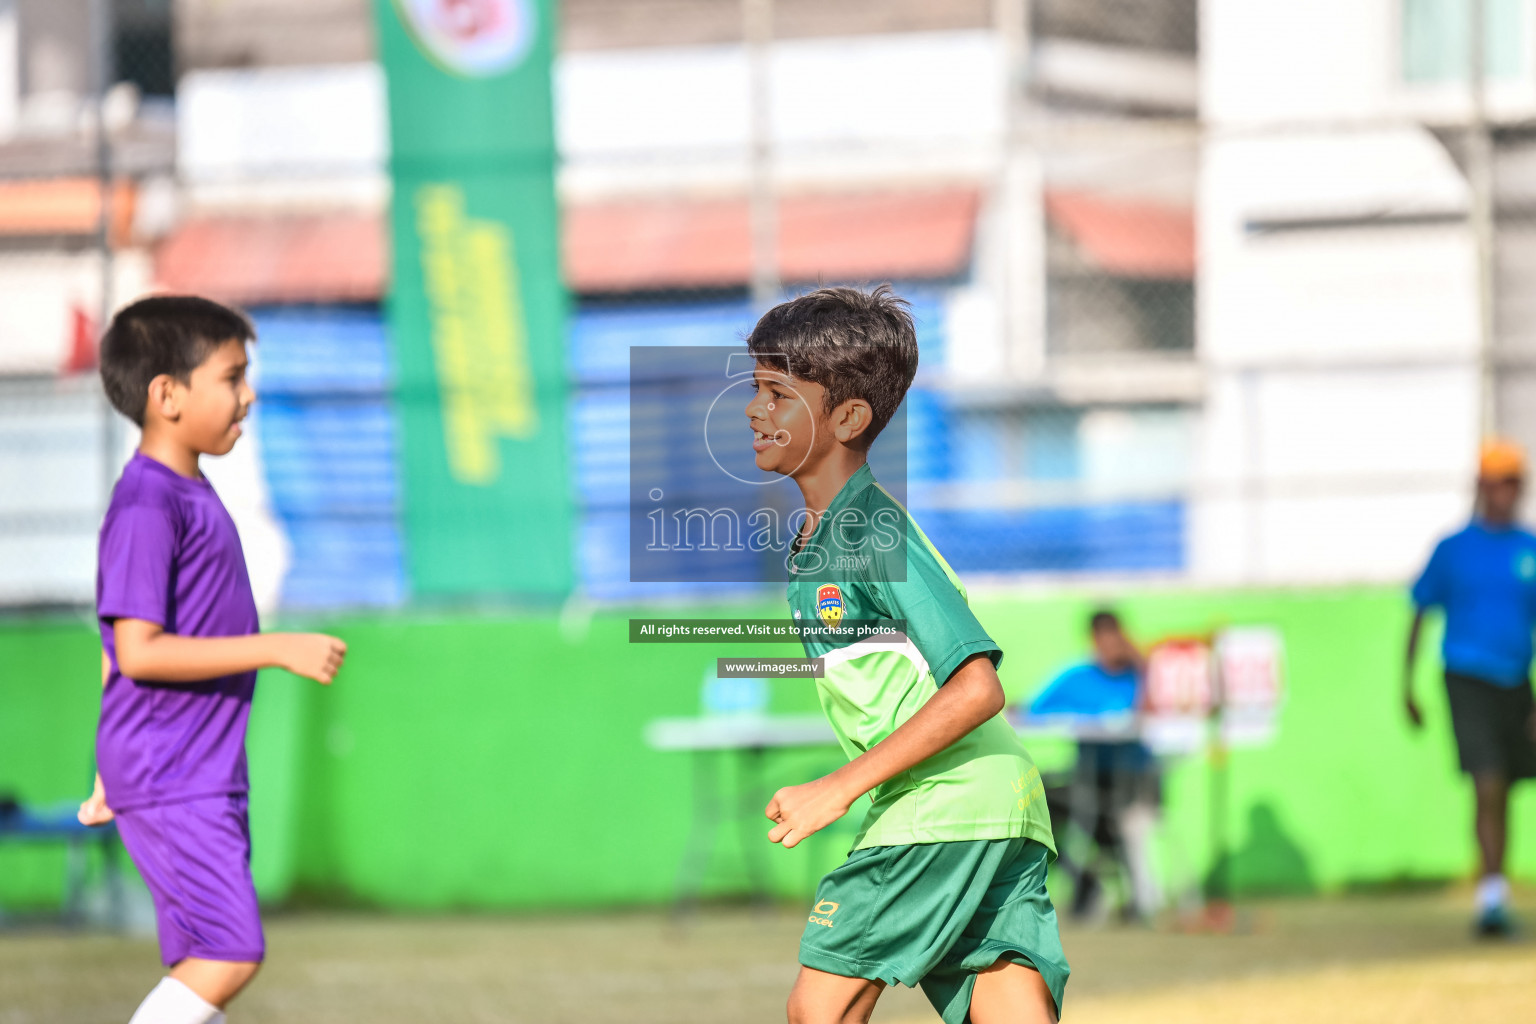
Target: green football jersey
[867,562]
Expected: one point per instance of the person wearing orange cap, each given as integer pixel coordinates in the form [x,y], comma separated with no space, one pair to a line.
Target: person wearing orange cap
[1484,579]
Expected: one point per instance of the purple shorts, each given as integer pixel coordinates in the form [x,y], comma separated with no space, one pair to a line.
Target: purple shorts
[195,856]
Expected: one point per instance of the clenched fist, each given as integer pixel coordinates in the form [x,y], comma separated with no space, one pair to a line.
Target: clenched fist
[94,811]
[311,655]
[804,810]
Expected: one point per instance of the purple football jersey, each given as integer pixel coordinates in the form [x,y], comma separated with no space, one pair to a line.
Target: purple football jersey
[170,554]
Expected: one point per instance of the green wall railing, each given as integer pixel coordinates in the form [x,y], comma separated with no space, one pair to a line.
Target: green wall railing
[497,760]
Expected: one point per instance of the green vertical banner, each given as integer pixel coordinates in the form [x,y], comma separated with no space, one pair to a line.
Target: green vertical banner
[476,306]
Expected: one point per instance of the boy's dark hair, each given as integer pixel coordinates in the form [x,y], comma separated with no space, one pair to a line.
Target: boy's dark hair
[164,334]
[1104,618]
[854,344]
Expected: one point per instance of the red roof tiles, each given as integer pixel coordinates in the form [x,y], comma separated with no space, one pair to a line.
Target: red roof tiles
[1128,238]
[250,260]
[640,245]
[63,206]
[676,244]
[608,247]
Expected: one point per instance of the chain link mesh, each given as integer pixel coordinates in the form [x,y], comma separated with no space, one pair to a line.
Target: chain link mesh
[1071,412]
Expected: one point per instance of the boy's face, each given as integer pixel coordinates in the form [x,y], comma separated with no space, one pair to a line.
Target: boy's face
[789,430]
[205,412]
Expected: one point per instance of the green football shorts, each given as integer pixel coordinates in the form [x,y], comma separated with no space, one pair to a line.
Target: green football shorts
[933,915]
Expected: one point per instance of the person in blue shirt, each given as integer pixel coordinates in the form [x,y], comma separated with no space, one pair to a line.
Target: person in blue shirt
[1119,777]
[1104,686]
[1484,579]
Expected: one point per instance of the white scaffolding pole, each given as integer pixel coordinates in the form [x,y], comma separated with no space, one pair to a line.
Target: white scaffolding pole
[757,29]
[1480,183]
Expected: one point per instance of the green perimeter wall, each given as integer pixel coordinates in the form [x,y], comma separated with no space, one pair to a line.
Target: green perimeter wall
[497,761]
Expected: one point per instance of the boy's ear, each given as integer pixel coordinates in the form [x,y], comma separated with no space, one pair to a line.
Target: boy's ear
[850,419]
[164,397]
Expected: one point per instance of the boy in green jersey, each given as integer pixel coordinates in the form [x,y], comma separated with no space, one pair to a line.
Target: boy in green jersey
[945,886]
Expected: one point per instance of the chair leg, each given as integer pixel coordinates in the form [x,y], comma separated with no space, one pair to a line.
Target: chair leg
[753,824]
[74,882]
[112,872]
[701,832]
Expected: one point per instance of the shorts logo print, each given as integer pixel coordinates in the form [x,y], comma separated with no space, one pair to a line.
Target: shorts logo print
[823,912]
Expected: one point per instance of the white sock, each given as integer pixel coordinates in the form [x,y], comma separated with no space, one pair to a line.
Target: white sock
[1138,825]
[172,1002]
[1492,892]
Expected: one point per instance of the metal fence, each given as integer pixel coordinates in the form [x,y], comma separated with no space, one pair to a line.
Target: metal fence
[1085,247]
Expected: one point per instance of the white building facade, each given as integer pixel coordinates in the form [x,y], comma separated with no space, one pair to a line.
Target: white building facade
[1339,292]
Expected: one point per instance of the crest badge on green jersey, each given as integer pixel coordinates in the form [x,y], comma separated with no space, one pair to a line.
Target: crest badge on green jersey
[829,603]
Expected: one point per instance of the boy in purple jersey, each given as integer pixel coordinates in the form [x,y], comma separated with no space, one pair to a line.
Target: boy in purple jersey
[181,646]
